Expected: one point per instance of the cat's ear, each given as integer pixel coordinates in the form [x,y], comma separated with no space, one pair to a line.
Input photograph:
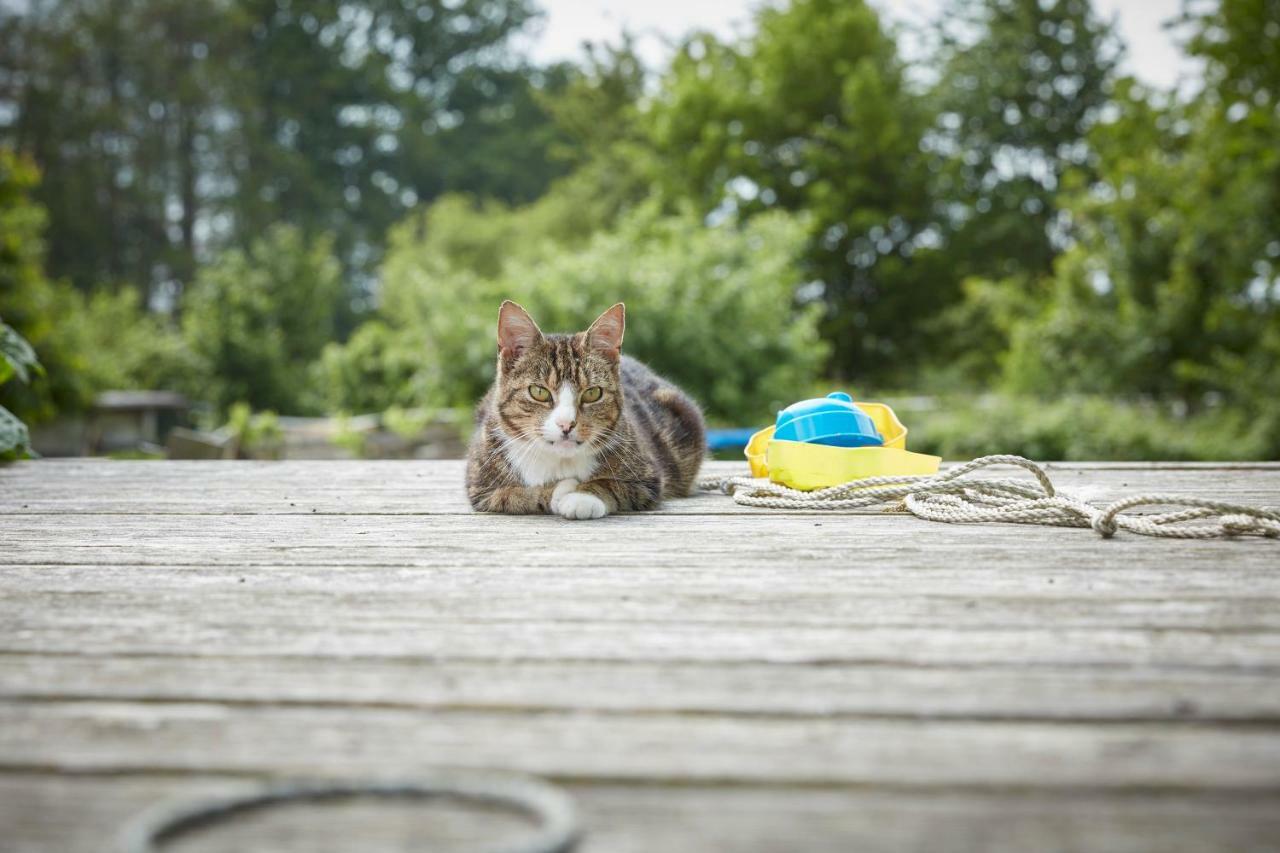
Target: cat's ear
[605,334]
[516,330]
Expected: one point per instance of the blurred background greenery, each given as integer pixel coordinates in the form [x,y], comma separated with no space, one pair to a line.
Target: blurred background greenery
[314,209]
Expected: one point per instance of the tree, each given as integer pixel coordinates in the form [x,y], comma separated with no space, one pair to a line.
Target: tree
[169,130]
[1021,83]
[1240,40]
[118,104]
[356,112]
[1173,289]
[813,114]
[613,164]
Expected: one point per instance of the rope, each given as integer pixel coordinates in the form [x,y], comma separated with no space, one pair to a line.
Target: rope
[556,830]
[956,497]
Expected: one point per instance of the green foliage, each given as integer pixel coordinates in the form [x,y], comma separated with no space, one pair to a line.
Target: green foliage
[1021,82]
[1076,427]
[347,437]
[22,296]
[1241,41]
[17,358]
[17,361]
[709,307]
[15,440]
[377,368]
[87,344]
[813,114]
[334,115]
[30,331]
[256,434]
[119,345]
[106,341]
[408,424]
[1172,290]
[256,320]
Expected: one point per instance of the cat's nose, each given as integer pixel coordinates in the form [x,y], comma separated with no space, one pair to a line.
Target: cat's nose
[566,427]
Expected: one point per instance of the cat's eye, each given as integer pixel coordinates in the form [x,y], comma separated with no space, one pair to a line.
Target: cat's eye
[595,392]
[539,393]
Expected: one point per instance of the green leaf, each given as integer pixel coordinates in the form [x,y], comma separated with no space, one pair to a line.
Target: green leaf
[15,441]
[16,356]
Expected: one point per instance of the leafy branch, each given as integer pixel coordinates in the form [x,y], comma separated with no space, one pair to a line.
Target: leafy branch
[17,360]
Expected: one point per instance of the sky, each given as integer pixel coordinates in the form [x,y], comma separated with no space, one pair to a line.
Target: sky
[1153,56]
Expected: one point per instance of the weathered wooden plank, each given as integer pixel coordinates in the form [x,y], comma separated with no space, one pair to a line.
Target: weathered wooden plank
[750,597]
[756,592]
[74,814]
[111,736]
[647,603]
[182,625]
[635,607]
[750,573]
[696,688]
[435,487]
[793,546]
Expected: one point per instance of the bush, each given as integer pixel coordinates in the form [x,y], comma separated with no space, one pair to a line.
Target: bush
[1076,428]
[257,435]
[120,345]
[376,369]
[256,320]
[710,308]
[107,341]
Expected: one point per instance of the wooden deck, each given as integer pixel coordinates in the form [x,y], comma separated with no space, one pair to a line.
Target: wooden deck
[701,679]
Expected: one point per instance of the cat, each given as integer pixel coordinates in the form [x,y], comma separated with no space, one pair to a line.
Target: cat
[574,428]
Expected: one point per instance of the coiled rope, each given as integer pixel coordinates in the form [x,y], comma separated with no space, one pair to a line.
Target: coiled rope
[957,497]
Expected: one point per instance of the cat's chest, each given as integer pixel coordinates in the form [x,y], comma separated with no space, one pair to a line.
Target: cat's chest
[540,467]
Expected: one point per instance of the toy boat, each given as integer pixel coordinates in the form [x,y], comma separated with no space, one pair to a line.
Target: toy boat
[831,440]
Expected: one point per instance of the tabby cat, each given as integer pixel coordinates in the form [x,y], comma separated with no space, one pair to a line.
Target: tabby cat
[573,427]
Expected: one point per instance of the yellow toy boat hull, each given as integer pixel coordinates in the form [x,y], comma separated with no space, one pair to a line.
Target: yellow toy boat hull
[806,467]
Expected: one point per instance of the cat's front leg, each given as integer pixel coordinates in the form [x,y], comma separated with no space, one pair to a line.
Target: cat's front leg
[512,500]
[562,489]
[568,501]
[603,495]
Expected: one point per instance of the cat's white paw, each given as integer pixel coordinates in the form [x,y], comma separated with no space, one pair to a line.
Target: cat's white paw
[564,487]
[580,505]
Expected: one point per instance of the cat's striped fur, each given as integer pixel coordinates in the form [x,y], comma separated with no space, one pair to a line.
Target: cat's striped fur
[642,440]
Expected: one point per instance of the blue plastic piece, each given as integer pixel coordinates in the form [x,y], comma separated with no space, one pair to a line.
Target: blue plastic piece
[834,419]
[729,439]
